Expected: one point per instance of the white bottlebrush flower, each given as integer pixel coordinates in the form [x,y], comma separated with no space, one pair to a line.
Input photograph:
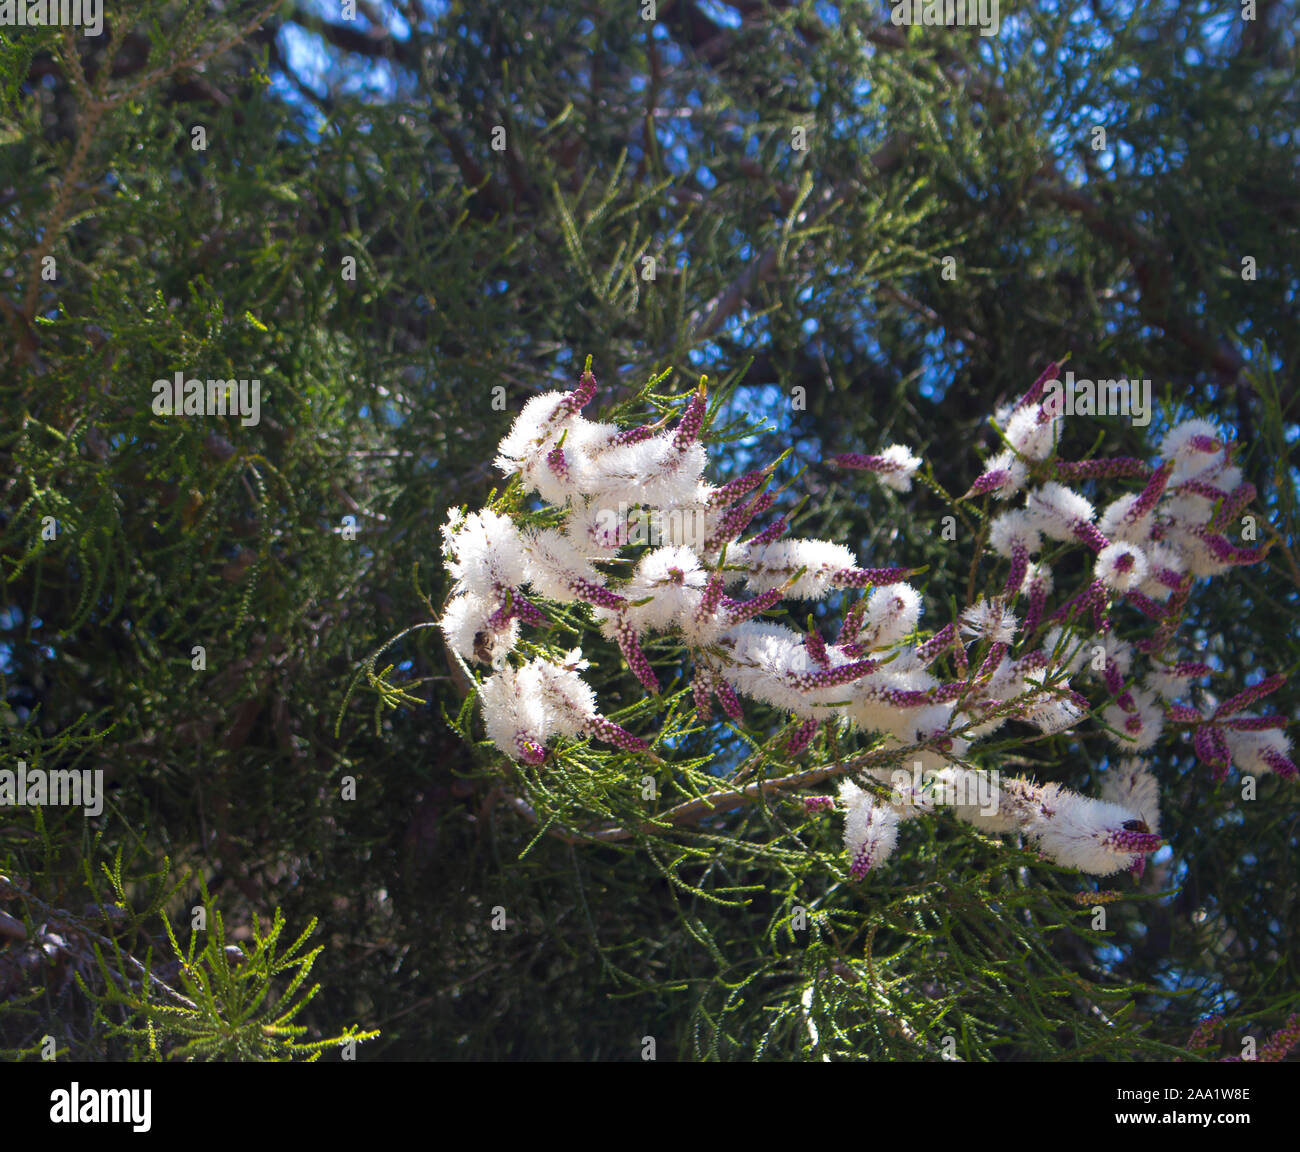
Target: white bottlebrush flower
[892,613]
[1099,650]
[1121,566]
[1160,558]
[651,471]
[1052,714]
[1250,749]
[1032,433]
[1130,786]
[1116,522]
[673,580]
[515,713]
[1038,577]
[486,553]
[1013,530]
[536,426]
[1193,445]
[900,466]
[558,570]
[909,787]
[1196,556]
[1140,728]
[976,797]
[870,829]
[990,620]
[1057,510]
[473,629]
[1010,474]
[773,564]
[567,699]
[597,529]
[1091,835]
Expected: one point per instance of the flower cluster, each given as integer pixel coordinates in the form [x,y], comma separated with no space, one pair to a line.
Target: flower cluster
[1012,656]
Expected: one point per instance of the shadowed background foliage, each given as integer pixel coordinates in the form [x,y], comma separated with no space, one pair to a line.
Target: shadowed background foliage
[406,224]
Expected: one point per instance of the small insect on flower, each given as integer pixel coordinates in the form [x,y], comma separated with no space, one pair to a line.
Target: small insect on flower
[482,647]
[1136,826]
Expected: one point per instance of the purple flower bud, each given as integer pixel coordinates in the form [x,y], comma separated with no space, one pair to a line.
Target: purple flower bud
[1090,534]
[1212,750]
[773,531]
[556,462]
[738,611]
[630,646]
[703,693]
[692,421]
[584,589]
[606,730]
[581,396]
[939,643]
[729,700]
[736,489]
[1036,389]
[990,480]
[1279,763]
[1245,699]
[866,577]
[816,649]
[1019,566]
[530,752]
[829,678]
[818,803]
[1183,714]
[711,598]
[1255,723]
[632,435]
[1128,840]
[802,738]
[1151,493]
[1109,469]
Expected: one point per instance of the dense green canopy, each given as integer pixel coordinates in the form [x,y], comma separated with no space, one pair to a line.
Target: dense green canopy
[405,224]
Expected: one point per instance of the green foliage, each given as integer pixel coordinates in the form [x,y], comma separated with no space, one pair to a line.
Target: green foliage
[482,277]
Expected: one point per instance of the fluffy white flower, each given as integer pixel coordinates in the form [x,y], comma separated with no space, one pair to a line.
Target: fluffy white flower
[773,564]
[1130,786]
[1249,748]
[674,581]
[1040,576]
[556,568]
[471,632]
[486,553]
[1106,648]
[1079,832]
[1056,510]
[1014,529]
[1016,474]
[1032,433]
[1140,728]
[975,797]
[1193,445]
[514,712]
[892,613]
[651,471]
[1117,522]
[902,465]
[990,620]
[1053,714]
[1160,557]
[1121,566]
[870,829]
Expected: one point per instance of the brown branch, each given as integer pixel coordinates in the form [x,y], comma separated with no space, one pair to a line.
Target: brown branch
[692,810]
